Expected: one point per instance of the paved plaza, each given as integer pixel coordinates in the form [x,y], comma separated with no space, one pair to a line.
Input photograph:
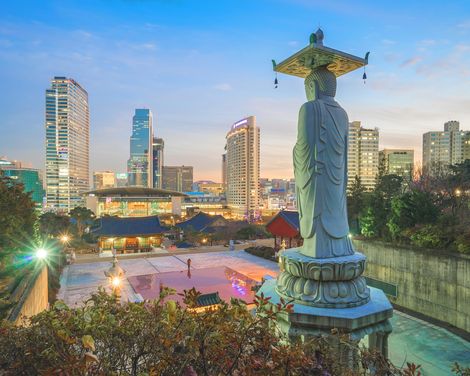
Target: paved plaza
[412,340]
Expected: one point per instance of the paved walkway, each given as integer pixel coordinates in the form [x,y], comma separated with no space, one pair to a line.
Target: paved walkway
[412,340]
[80,280]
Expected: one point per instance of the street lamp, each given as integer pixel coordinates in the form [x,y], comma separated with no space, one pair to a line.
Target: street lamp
[64,239]
[41,253]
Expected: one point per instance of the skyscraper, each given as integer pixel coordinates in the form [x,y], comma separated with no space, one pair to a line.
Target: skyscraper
[67,144]
[178,178]
[157,154]
[398,162]
[363,154]
[243,168]
[441,149]
[140,163]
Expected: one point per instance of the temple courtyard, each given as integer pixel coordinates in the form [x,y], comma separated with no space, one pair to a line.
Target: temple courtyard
[232,273]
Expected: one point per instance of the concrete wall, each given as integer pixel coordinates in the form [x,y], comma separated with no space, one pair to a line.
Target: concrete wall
[34,298]
[436,285]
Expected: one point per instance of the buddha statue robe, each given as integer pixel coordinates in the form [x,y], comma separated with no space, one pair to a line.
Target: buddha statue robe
[320,168]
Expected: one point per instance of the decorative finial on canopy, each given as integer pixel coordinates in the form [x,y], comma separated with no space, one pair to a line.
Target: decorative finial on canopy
[320,36]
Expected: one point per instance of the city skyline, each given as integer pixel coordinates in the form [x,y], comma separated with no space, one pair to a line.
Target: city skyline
[416,75]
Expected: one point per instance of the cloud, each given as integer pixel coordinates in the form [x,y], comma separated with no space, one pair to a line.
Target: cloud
[411,61]
[146,46]
[293,43]
[84,34]
[465,25]
[223,87]
[388,42]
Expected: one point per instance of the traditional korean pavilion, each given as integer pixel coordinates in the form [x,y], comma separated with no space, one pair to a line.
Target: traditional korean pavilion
[130,234]
[284,226]
[203,223]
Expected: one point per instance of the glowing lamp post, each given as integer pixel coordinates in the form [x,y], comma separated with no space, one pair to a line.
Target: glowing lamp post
[65,239]
[41,254]
[115,276]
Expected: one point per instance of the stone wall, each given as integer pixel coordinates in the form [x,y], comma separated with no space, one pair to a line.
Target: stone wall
[33,298]
[435,285]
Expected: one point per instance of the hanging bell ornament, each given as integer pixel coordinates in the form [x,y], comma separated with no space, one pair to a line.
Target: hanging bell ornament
[364,77]
[275,83]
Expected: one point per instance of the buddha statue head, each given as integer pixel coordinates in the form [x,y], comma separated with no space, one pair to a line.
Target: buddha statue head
[320,83]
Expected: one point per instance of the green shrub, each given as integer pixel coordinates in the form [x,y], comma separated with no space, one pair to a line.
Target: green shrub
[161,337]
[429,236]
[262,251]
[462,243]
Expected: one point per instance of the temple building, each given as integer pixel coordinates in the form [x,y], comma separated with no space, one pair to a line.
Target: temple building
[129,235]
[203,222]
[284,226]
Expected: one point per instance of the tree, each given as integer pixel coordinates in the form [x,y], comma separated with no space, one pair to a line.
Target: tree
[52,224]
[377,207]
[17,221]
[410,209]
[82,217]
[355,203]
[161,337]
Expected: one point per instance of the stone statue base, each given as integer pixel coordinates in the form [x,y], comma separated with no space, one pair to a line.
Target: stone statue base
[370,319]
[330,293]
[323,282]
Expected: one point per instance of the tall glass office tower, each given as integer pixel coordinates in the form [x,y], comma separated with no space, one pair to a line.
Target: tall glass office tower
[158,146]
[140,163]
[67,144]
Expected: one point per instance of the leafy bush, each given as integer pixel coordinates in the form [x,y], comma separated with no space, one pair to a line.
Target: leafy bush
[162,338]
[462,243]
[262,251]
[429,236]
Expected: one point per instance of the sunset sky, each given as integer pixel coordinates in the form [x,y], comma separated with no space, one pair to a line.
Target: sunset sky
[202,65]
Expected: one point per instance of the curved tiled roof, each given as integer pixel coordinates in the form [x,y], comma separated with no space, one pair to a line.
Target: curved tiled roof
[135,192]
[129,226]
[200,222]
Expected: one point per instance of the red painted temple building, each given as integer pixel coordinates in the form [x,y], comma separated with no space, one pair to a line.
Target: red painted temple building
[284,226]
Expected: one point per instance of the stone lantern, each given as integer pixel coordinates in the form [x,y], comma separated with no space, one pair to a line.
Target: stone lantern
[115,276]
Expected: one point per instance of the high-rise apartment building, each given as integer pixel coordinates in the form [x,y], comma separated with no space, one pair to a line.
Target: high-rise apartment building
[140,163]
[157,155]
[104,179]
[178,178]
[243,168]
[441,149]
[363,154]
[398,162]
[67,144]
